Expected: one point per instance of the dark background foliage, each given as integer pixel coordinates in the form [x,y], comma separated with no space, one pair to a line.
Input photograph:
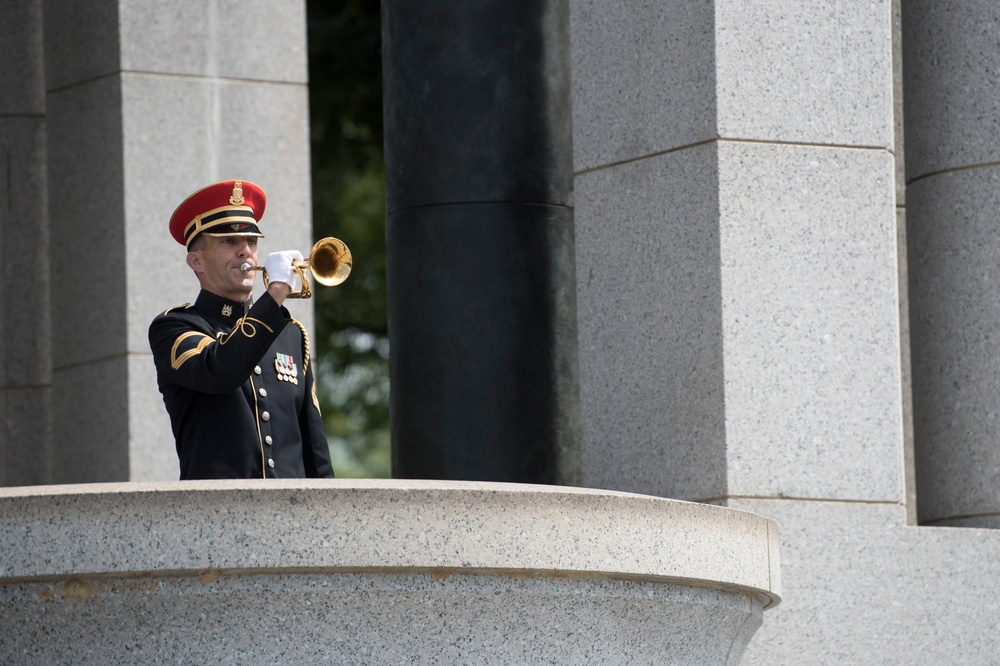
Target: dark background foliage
[352,347]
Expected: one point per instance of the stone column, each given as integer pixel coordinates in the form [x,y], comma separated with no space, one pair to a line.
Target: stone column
[25,342]
[952,87]
[147,103]
[736,250]
[482,310]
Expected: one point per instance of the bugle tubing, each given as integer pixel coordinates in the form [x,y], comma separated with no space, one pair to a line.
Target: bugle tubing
[329,262]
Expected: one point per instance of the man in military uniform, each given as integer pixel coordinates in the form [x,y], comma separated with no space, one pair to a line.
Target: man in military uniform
[235,374]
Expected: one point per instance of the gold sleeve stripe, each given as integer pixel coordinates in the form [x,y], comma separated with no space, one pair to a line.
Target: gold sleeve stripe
[315,399]
[177,361]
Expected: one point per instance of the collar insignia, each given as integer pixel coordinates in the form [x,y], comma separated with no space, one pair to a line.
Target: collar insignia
[227,310]
[237,198]
[285,366]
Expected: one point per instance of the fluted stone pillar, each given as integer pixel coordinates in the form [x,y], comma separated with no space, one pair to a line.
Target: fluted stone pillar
[25,341]
[148,102]
[952,87]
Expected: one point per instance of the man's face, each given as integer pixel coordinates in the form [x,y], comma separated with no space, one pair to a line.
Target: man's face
[218,265]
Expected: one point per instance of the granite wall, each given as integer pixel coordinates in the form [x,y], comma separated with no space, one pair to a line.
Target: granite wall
[25,322]
[739,178]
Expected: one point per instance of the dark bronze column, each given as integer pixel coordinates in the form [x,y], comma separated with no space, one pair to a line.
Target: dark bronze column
[482,295]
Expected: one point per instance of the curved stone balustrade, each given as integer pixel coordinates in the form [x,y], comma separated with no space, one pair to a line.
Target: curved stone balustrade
[376,571]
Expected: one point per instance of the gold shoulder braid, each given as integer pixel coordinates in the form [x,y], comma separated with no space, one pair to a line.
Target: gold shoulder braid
[305,346]
[305,363]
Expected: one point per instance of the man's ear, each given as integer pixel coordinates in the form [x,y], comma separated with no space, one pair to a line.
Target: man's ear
[194,261]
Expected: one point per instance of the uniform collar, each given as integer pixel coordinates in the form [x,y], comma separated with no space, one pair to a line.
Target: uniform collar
[217,307]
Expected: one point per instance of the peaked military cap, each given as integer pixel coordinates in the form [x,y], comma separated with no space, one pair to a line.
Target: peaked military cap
[229,208]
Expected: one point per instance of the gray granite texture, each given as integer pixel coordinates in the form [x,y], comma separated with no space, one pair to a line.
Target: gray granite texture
[254,40]
[257,40]
[84,179]
[951,69]
[759,278]
[152,457]
[808,265]
[860,587]
[371,618]
[377,572]
[25,307]
[88,283]
[653,77]
[902,261]
[651,363]
[899,135]
[25,312]
[811,71]
[81,41]
[906,371]
[229,525]
[635,64]
[25,416]
[22,71]
[90,434]
[955,341]
[25,340]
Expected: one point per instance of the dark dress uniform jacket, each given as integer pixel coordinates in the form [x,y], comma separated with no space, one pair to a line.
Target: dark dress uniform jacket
[239,389]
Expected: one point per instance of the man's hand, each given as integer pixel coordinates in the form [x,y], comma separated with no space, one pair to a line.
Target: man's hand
[279,268]
[282,278]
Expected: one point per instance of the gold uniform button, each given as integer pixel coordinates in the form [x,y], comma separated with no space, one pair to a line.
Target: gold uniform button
[265,416]
[270,463]
[263,392]
[256,370]
[268,440]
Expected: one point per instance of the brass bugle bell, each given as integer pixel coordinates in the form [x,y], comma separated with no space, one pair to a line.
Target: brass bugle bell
[329,262]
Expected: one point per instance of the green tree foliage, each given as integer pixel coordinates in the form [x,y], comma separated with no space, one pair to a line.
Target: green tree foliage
[345,73]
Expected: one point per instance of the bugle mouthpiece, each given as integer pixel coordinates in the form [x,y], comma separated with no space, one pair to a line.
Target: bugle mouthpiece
[246,268]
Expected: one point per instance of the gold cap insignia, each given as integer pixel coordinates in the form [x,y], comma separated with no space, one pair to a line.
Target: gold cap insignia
[237,198]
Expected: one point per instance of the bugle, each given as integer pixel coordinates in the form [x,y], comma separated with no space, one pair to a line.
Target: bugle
[329,262]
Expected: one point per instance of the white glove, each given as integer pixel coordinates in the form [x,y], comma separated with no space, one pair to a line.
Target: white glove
[279,268]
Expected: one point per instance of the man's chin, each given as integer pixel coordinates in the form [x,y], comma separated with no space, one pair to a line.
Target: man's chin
[244,279]
[242,285]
